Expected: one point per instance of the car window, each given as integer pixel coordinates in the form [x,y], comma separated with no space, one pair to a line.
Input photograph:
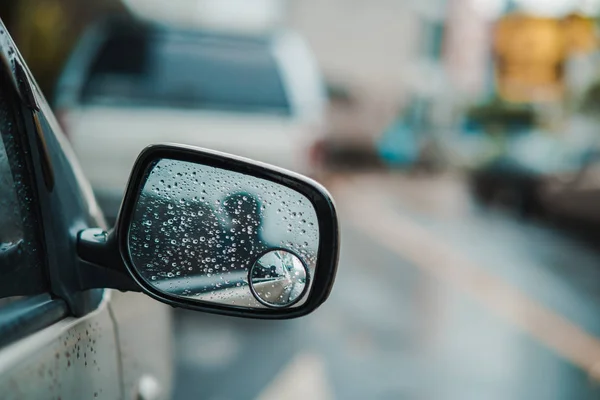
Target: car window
[21,254]
[189,71]
[11,228]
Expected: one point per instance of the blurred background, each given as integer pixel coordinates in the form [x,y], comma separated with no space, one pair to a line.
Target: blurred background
[460,139]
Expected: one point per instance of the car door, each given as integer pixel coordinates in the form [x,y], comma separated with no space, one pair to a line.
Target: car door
[46,351]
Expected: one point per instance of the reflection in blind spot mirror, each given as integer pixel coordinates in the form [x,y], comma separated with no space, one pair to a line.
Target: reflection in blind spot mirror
[278,278]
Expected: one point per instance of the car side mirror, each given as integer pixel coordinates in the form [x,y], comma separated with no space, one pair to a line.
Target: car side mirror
[208,231]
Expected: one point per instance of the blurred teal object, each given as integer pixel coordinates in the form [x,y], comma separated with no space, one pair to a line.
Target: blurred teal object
[398,145]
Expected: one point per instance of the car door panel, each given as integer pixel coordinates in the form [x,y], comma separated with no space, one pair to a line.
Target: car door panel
[76,358]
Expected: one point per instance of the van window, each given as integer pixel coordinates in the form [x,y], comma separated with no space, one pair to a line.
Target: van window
[202,71]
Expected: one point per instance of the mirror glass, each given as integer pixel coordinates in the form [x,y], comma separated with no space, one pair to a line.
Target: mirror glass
[213,235]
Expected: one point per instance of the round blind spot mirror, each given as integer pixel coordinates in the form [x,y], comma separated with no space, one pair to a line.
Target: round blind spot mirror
[278,278]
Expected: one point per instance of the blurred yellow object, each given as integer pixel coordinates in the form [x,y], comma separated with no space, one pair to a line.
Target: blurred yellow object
[530,52]
[580,34]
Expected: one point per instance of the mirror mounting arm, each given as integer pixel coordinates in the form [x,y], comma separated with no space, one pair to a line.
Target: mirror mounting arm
[100,262]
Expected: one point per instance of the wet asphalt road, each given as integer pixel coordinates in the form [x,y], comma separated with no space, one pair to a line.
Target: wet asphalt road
[435,299]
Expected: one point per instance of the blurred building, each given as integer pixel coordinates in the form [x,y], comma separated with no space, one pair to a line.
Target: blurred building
[368,44]
[392,53]
[372,48]
[467,47]
[250,16]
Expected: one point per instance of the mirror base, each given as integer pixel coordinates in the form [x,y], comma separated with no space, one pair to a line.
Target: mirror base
[100,263]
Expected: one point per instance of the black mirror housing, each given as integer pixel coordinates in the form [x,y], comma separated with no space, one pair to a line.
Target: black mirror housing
[196,225]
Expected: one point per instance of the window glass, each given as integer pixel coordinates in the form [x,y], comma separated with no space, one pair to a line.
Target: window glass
[21,266]
[187,71]
[11,228]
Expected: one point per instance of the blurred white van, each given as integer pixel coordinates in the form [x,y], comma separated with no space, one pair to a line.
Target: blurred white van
[129,84]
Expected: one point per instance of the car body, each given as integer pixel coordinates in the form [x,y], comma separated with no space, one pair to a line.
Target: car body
[540,174]
[221,91]
[573,194]
[509,158]
[573,197]
[509,183]
[57,343]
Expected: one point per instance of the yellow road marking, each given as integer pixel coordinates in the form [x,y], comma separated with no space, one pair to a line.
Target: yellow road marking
[425,250]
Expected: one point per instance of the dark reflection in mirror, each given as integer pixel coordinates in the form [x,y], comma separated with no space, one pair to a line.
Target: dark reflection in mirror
[197,230]
[245,224]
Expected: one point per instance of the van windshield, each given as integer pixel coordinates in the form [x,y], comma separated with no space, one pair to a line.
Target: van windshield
[203,71]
